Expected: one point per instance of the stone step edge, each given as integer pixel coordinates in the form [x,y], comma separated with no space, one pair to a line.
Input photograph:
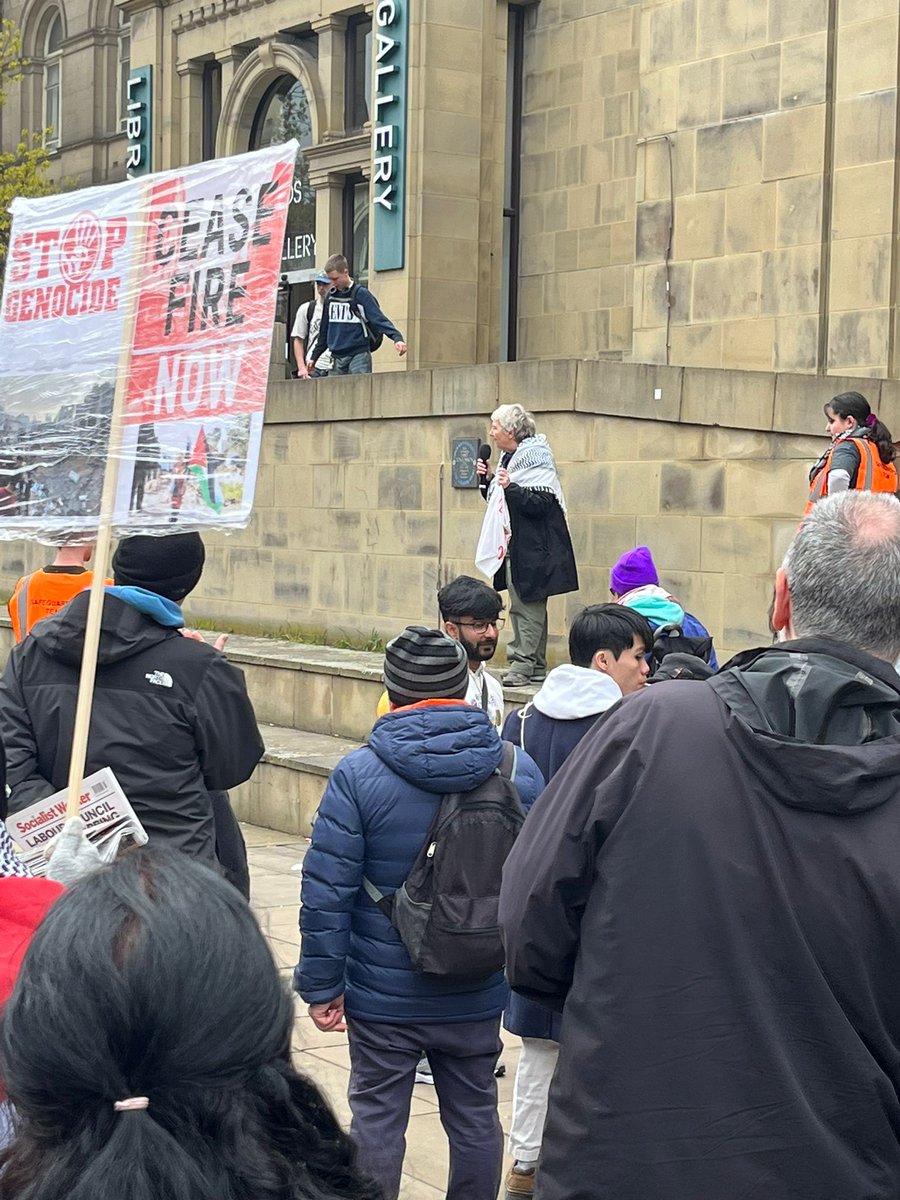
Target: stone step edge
[299,750]
[319,660]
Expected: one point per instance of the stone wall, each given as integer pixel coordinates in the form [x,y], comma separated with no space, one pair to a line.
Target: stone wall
[767,146]
[707,467]
[579,123]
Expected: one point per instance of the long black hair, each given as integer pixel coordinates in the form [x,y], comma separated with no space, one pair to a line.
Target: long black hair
[151,978]
[855,405]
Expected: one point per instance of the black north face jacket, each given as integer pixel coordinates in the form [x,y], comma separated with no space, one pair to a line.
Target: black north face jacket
[709,890]
[171,717]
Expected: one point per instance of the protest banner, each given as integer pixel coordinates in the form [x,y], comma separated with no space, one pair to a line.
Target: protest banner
[189,261]
[135,333]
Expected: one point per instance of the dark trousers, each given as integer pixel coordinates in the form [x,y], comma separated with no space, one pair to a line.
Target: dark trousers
[230,848]
[382,1072]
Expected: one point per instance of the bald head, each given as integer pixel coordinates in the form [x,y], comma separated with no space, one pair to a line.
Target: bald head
[842,573]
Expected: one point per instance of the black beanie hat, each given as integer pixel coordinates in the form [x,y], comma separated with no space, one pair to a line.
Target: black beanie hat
[170,566]
[425,664]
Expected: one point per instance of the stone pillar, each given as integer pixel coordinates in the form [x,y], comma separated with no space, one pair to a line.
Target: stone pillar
[229,61]
[190,75]
[329,216]
[332,34]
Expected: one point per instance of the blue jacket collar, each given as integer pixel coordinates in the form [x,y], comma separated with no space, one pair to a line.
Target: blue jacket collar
[162,611]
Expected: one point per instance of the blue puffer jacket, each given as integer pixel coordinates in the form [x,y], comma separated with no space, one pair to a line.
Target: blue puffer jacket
[373,819]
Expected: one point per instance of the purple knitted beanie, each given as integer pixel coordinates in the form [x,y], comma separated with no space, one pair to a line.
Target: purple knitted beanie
[633,570]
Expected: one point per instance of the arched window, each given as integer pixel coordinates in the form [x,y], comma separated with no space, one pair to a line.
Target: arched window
[282,114]
[52,73]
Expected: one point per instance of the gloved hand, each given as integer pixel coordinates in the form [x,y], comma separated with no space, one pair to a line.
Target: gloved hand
[73,855]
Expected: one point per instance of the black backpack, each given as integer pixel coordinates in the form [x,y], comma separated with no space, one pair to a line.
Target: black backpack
[671,639]
[374,339]
[446,909]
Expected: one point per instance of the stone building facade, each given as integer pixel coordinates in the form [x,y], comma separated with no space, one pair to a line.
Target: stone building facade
[692,182]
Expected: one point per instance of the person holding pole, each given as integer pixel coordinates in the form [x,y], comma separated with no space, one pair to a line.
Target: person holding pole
[170,715]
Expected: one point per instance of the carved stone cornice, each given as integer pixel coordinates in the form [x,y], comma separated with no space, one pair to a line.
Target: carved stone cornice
[338,157]
[214,10]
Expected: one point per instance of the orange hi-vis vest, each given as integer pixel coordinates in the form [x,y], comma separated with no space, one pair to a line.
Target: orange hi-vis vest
[873,475]
[42,594]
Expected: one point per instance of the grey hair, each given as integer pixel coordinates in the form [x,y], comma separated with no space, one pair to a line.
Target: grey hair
[515,420]
[843,571]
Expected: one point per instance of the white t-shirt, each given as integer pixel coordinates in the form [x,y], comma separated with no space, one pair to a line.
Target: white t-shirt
[476,694]
[302,327]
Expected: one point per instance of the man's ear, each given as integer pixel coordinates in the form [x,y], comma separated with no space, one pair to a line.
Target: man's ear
[781,612]
[600,662]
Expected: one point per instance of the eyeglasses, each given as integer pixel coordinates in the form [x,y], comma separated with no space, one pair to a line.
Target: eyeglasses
[479,627]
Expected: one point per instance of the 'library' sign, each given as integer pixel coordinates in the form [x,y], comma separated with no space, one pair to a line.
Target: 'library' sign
[138,105]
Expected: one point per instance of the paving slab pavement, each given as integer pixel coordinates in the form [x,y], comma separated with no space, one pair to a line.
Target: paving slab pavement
[275,861]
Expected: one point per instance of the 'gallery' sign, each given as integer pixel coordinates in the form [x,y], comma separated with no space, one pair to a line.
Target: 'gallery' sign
[389,135]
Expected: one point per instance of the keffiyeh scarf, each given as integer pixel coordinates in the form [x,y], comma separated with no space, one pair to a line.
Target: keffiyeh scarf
[532,466]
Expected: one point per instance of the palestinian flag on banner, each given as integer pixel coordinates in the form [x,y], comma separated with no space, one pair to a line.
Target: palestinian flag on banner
[198,470]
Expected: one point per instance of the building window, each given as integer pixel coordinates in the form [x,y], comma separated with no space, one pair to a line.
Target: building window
[283,113]
[124,65]
[358,75]
[512,172]
[52,70]
[212,106]
[356,226]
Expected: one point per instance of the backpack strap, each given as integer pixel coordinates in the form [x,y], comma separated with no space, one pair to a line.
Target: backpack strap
[508,762]
[310,308]
[357,311]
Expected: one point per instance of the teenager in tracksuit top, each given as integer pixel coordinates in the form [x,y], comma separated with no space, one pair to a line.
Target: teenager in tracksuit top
[345,315]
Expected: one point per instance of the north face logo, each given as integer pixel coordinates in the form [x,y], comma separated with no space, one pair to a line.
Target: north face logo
[159,678]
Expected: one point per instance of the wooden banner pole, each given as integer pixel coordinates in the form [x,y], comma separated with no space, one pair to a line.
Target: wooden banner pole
[88,674]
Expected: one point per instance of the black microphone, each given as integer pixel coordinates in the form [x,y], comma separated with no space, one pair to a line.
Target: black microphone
[484,452]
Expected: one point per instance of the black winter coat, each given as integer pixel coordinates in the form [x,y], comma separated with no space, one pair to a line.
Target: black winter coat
[540,555]
[710,891]
[171,717]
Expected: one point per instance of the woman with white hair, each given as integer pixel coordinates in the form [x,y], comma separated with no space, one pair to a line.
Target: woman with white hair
[540,561]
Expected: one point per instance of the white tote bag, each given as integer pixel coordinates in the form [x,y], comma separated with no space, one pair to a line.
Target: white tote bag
[495,531]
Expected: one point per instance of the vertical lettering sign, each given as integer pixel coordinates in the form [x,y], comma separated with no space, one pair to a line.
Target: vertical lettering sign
[389,135]
[138,122]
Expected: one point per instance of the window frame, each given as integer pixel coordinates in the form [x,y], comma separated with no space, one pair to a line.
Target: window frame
[52,61]
[211,89]
[358,33]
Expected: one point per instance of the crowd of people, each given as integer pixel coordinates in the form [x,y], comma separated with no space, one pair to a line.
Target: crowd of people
[676,882]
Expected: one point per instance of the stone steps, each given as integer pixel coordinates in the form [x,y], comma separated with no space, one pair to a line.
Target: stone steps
[314,704]
[285,789]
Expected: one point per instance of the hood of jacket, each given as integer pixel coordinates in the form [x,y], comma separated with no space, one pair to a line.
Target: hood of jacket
[125,630]
[817,721]
[570,693]
[654,603]
[439,748]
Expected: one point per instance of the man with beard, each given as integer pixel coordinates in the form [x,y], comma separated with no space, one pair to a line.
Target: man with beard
[470,611]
